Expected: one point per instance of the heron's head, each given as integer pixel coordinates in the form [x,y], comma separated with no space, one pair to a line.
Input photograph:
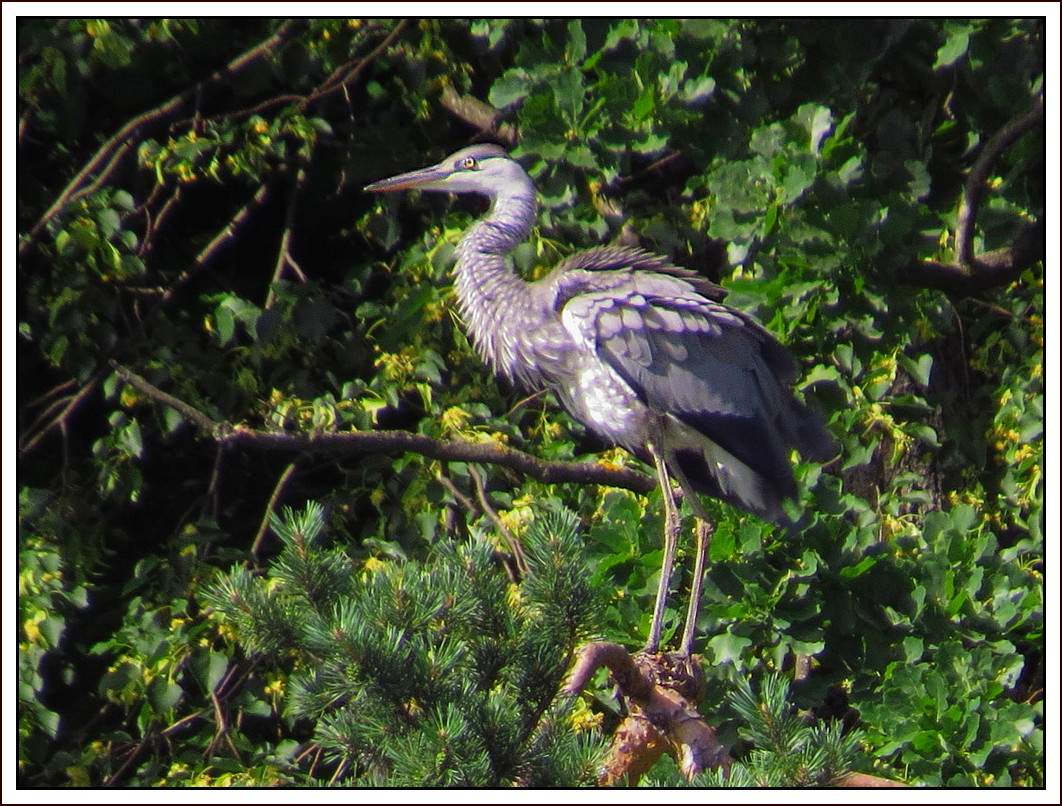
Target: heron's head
[485,169]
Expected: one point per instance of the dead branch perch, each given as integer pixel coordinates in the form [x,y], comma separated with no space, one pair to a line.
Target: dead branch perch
[661,691]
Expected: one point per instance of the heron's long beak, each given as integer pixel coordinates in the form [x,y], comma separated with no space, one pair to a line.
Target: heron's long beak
[424,178]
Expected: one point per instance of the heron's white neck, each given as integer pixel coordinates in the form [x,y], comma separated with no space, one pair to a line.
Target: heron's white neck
[494,302]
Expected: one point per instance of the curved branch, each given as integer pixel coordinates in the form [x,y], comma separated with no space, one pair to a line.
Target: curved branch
[278,490]
[989,270]
[394,442]
[977,178]
[970,273]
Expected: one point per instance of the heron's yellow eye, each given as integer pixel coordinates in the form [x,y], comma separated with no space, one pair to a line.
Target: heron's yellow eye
[469,164]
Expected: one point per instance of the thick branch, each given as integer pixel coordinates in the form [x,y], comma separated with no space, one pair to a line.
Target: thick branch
[394,442]
[478,114]
[990,270]
[661,692]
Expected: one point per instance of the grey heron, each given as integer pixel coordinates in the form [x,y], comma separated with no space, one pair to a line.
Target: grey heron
[642,352]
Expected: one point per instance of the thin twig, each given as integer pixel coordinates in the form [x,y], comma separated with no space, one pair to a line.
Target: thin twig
[284,258]
[223,237]
[515,549]
[344,74]
[215,482]
[152,224]
[278,490]
[29,444]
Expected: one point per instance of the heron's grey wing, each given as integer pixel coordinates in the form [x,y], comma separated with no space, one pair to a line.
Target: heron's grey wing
[710,367]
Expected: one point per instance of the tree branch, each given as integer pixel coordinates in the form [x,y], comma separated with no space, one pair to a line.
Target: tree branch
[344,74]
[223,237]
[284,256]
[976,180]
[479,115]
[970,273]
[661,691]
[394,442]
[278,490]
[75,189]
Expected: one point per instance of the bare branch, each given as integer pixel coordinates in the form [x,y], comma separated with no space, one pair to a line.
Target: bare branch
[30,442]
[990,270]
[346,73]
[482,116]
[284,258]
[187,411]
[224,236]
[661,691]
[515,549]
[278,490]
[859,780]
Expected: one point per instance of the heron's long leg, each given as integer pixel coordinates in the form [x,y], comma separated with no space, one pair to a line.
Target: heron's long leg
[672,523]
[705,528]
[704,540]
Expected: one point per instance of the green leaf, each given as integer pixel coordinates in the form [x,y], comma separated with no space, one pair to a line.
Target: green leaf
[568,91]
[163,694]
[209,668]
[576,50]
[509,90]
[124,200]
[728,648]
[644,105]
[226,324]
[697,90]
[954,48]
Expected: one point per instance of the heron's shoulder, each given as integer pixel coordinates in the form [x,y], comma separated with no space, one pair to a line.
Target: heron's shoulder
[625,269]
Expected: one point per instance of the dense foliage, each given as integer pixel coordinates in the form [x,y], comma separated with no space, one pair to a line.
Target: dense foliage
[190,208]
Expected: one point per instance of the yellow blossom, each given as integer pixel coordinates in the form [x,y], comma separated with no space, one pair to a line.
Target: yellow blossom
[372,565]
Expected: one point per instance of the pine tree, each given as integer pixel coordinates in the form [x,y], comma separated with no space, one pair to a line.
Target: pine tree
[441,673]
